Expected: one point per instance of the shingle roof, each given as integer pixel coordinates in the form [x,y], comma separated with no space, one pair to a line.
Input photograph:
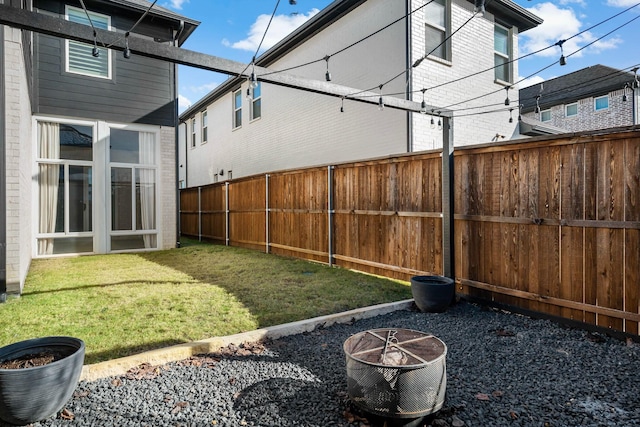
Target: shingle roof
[143,5]
[587,82]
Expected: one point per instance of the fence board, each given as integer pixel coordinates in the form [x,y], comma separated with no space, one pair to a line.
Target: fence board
[549,225]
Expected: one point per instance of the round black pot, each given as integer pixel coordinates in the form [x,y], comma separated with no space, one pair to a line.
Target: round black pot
[432,294]
[32,394]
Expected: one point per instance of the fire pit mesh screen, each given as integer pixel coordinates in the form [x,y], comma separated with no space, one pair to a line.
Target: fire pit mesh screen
[396,373]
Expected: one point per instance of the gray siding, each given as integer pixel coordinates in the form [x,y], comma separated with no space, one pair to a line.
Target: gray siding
[140,91]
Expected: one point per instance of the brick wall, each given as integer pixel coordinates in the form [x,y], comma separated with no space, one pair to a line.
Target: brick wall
[619,113]
[168,188]
[18,163]
[472,51]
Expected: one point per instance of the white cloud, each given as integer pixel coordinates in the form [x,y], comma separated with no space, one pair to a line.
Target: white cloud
[621,3]
[529,82]
[281,26]
[183,103]
[579,2]
[203,89]
[175,4]
[561,24]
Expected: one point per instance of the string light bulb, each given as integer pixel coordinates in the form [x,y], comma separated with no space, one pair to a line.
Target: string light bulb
[127,52]
[636,82]
[342,105]
[479,7]
[253,82]
[537,110]
[439,122]
[327,75]
[95,52]
[423,104]
[510,115]
[433,122]
[249,97]
[520,112]
[507,101]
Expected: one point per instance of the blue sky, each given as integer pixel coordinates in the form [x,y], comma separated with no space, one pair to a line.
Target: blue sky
[234,29]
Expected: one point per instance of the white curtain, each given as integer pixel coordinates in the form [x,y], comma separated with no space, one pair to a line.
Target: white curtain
[48,176]
[147,186]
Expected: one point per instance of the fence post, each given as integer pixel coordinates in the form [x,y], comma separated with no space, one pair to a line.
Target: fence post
[266,219]
[330,211]
[448,249]
[226,213]
[199,215]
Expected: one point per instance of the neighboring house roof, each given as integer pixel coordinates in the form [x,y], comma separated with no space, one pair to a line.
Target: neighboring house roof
[587,82]
[532,127]
[143,5]
[516,15]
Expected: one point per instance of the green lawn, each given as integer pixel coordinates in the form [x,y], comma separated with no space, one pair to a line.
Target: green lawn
[128,303]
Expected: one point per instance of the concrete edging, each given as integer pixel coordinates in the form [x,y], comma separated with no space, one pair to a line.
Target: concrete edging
[184,351]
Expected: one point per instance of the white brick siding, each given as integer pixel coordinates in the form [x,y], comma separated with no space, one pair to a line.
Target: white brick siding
[168,188]
[18,162]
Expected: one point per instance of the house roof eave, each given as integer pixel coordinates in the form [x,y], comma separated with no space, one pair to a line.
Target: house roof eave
[523,19]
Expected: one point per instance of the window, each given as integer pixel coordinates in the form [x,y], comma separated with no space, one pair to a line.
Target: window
[237,108]
[601,103]
[502,53]
[193,132]
[438,29]
[545,116]
[571,110]
[80,58]
[204,126]
[256,102]
[65,186]
[132,168]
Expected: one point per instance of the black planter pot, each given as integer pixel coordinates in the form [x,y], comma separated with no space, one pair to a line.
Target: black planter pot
[32,394]
[432,294]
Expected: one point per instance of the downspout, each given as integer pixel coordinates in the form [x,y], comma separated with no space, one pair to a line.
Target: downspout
[177,133]
[3,177]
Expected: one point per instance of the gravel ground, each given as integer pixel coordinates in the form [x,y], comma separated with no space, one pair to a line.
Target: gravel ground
[503,369]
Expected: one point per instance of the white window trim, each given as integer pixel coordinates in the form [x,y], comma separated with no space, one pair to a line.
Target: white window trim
[447,60]
[253,100]
[36,189]
[567,106]
[159,189]
[544,111]
[595,108]
[101,233]
[204,127]
[235,109]
[193,132]
[102,50]
[508,56]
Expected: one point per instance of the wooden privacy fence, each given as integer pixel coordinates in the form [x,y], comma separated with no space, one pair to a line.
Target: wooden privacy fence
[547,225]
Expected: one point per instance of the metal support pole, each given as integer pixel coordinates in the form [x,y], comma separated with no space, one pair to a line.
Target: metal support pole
[330,211]
[199,215]
[226,196]
[266,217]
[448,249]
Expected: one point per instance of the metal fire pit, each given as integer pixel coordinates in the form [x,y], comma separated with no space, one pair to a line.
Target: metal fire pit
[396,373]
